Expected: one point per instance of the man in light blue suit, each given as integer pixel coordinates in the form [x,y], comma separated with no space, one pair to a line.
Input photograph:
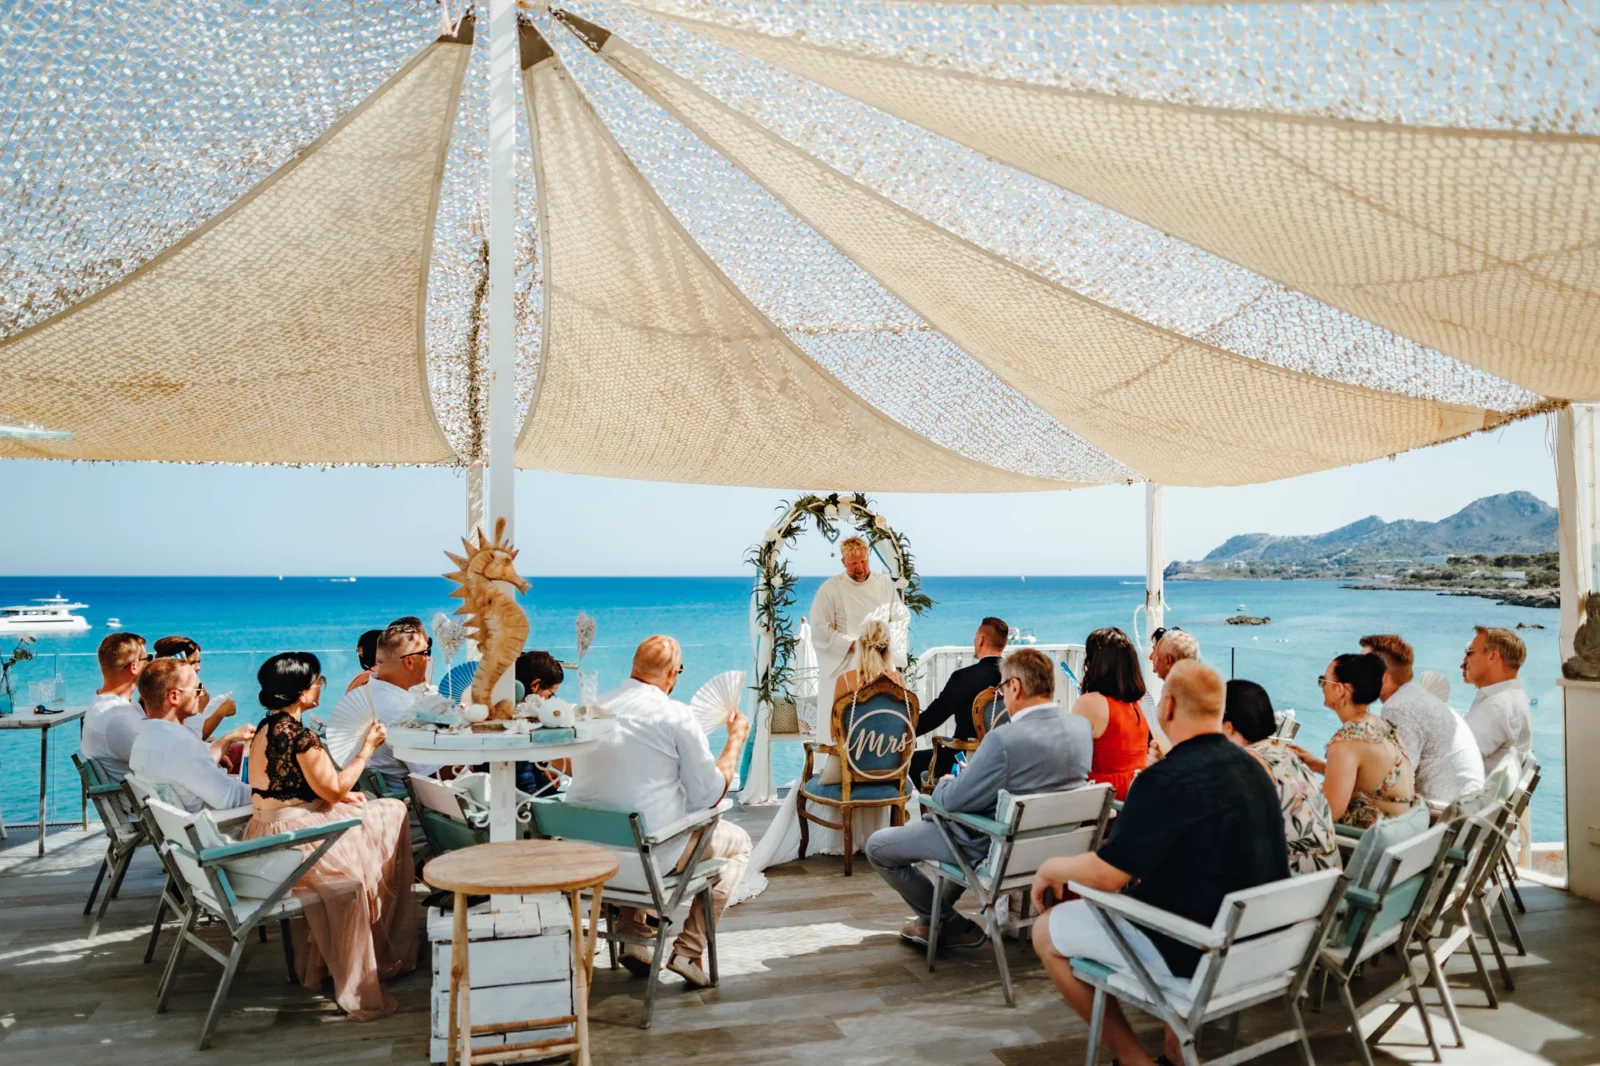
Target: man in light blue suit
[1037,747]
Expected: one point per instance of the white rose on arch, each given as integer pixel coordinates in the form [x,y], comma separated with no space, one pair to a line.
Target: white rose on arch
[771,535]
[902,583]
[830,512]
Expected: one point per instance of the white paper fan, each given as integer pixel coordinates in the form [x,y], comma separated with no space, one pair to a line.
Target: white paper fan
[898,618]
[348,724]
[717,699]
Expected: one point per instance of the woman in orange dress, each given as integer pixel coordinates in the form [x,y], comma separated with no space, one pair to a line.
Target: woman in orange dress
[1112,687]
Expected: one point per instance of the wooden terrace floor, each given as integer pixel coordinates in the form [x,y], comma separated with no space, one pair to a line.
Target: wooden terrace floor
[812,973]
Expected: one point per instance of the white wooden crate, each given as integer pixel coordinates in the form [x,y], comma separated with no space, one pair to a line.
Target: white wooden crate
[520,968]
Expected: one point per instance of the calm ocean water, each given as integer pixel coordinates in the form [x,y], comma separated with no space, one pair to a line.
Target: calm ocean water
[240,621]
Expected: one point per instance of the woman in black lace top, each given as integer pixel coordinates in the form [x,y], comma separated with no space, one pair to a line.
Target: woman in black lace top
[360,923]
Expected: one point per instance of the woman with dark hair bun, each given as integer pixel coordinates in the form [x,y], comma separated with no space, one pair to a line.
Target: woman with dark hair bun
[360,924]
[1248,721]
[1113,685]
[366,656]
[1366,774]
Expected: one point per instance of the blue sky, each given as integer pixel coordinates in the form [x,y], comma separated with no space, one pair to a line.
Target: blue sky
[129,518]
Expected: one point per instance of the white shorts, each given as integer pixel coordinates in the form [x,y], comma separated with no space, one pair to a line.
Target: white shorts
[1076,933]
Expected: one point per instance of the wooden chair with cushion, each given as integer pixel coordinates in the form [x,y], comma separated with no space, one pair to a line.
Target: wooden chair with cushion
[1023,834]
[988,707]
[641,879]
[1261,947]
[874,729]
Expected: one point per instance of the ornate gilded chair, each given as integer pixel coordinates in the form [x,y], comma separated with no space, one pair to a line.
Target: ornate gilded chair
[874,729]
[988,707]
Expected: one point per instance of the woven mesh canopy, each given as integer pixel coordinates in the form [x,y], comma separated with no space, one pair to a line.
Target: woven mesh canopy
[936,247]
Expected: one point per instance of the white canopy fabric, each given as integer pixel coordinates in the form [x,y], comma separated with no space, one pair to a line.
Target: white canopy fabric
[917,247]
[288,329]
[1178,411]
[658,368]
[1478,242]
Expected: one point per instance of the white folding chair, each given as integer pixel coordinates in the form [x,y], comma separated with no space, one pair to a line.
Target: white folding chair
[640,881]
[1025,832]
[1262,946]
[1387,915]
[124,834]
[238,884]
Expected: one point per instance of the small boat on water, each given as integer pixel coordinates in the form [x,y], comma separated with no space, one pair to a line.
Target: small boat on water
[113,623]
[50,615]
[1021,636]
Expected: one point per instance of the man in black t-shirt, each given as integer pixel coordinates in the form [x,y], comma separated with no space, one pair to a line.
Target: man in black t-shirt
[1201,823]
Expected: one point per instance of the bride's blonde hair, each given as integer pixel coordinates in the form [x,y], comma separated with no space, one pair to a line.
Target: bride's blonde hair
[873,648]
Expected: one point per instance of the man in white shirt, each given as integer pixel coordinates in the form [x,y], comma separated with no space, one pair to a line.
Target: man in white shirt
[840,609]
[166,752]
[1444,755]
[656,761]
[1500,717]
[404,656]
[113,719]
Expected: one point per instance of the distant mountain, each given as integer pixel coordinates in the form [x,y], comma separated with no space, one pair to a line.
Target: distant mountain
[1494,525]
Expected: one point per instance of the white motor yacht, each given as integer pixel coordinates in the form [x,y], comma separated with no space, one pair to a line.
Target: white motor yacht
[51,615]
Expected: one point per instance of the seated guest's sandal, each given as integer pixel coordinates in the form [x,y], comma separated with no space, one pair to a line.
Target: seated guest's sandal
[690,971]
[635,959]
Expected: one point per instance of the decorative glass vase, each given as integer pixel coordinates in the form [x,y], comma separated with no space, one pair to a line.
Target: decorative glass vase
[588,688]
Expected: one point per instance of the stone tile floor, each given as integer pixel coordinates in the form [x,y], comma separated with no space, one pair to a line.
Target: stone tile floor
[812,973]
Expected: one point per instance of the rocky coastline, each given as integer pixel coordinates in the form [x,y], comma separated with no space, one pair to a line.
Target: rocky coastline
[1504,597]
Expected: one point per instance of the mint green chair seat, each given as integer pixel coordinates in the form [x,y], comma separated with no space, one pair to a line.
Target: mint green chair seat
[1025,832]
[640,880]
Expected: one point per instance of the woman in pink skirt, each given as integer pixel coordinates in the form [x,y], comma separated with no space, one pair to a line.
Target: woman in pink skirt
[360,922]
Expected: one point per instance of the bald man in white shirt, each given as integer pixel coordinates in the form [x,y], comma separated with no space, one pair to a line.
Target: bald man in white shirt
[656,761]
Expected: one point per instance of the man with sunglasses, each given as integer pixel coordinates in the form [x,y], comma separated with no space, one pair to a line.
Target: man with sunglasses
[113,719]
[405,656]
[166,752]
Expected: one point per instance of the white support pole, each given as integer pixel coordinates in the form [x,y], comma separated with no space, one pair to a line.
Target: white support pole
[474,497]
[1577,447]
[1575,488]
[1155,560]
[503,76]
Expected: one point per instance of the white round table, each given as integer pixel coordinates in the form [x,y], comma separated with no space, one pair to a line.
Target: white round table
[502,751]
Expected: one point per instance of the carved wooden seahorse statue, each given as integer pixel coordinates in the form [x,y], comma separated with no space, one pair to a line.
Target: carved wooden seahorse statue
[493,618]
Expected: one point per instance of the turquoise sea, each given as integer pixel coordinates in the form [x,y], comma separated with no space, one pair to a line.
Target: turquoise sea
[240,621]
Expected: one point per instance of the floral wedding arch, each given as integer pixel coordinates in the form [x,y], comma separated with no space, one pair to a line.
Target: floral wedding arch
[772,632]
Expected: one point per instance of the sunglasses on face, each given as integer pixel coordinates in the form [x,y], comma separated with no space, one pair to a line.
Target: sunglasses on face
[428,651]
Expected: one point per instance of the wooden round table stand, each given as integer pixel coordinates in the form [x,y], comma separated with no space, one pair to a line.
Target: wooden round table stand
[521,867]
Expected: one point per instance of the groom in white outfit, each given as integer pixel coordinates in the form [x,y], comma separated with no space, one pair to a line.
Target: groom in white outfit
[837,614]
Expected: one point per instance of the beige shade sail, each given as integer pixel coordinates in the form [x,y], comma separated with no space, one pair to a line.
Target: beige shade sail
[654,366]
[1483,244]
[288,329]
[1176,410]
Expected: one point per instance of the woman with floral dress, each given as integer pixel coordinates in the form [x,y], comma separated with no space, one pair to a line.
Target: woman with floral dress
[1366,775]
[1248,721]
